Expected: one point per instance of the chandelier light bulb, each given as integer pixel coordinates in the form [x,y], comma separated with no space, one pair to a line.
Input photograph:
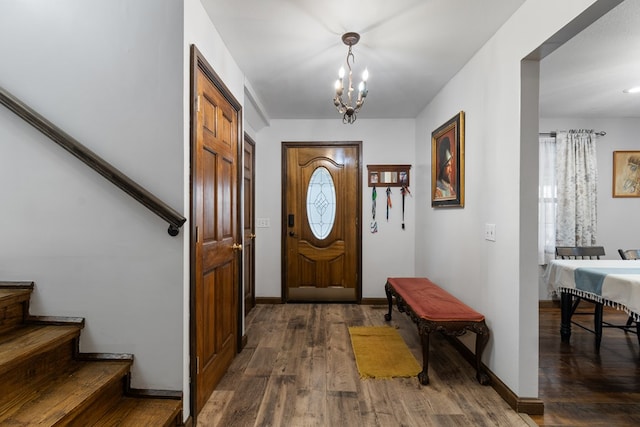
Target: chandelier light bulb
[341,72]
[365,75]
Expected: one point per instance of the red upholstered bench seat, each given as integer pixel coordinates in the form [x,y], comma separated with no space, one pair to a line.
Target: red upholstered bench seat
[434,309]
[431,302]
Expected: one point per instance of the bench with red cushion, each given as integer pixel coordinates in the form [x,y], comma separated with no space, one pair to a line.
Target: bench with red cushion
[434,309]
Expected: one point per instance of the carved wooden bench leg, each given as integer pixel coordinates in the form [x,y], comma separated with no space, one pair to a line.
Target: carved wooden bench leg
[387,290]
[423,376]
[482,337]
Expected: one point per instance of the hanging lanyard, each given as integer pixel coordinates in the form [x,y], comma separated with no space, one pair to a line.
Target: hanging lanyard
[374,224]
[388,202]
[404,191]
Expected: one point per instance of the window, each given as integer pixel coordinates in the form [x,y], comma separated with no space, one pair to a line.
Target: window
[321,203]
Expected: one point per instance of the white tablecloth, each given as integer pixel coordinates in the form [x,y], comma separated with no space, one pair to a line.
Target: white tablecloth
[618,286]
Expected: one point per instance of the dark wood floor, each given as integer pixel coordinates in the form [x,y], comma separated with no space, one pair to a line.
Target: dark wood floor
[298,369]
[581,387]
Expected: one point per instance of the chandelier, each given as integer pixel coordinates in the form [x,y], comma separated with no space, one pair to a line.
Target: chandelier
[348,110]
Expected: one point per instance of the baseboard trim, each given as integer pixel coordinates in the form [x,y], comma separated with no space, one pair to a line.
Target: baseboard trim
[374,301]
[155,394]
[527,405]
[364,301]
[243,341]
[268,300]
[549,303]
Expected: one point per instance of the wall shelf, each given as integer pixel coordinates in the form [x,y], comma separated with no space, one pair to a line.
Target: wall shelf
[388,175]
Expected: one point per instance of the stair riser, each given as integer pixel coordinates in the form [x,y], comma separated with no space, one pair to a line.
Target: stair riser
[12,315]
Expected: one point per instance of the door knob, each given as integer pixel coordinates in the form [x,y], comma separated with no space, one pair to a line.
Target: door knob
[236,247]
[252,236]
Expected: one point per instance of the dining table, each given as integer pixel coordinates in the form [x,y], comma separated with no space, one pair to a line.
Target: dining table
[613,283]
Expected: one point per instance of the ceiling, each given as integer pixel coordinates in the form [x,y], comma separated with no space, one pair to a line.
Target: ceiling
[585,77]
[291,50]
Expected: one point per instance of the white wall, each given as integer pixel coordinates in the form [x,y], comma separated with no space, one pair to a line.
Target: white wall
[497,278]
[386,253]
[109,73]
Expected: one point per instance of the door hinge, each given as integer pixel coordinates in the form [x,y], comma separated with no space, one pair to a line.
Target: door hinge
[197,234]
[197,364]
[198,104]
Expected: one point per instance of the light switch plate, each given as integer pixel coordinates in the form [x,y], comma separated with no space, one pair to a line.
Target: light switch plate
[490,232]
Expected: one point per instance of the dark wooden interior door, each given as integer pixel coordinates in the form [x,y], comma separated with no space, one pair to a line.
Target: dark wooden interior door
[216,241]
[322,195]
[249,226]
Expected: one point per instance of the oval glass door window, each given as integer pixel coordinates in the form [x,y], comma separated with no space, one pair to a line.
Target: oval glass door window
[321,203]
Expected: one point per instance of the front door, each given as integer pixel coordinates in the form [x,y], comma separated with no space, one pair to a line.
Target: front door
[321,222]
[216,245]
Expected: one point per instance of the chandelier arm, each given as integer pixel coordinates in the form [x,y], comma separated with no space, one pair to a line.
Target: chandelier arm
[353,58]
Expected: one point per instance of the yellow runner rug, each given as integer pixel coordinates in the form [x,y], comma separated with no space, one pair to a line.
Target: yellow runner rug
[382,353]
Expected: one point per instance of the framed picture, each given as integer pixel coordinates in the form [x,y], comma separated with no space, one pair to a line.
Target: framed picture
[447,163]
[626,174]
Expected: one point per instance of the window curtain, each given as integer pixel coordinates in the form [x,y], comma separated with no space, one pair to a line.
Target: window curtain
[547,199]
[577,178]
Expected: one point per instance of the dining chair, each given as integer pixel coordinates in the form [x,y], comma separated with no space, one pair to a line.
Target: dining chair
[579,252]
[585,252]
[629,253]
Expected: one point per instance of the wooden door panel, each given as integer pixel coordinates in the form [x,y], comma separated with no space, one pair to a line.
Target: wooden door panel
[322,268]
[217,331]
[209,167]
[319,254]
[226,204]
[321,274]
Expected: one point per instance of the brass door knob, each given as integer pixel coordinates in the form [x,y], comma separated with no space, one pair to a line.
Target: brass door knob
[252,236]
[236,247]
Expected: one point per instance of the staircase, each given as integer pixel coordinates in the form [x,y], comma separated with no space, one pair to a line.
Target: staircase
[46,381]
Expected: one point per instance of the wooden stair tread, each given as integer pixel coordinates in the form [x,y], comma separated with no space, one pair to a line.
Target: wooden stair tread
[68,394]
[16,285]
[21,343]
[139,412]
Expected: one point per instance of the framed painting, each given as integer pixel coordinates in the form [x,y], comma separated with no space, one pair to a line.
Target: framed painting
[626,174]
[447,163]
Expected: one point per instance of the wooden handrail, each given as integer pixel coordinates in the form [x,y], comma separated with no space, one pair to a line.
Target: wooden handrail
[94,161]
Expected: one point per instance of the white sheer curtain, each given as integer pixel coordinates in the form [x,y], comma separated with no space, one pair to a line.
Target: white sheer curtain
[547,200]
[577,178]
